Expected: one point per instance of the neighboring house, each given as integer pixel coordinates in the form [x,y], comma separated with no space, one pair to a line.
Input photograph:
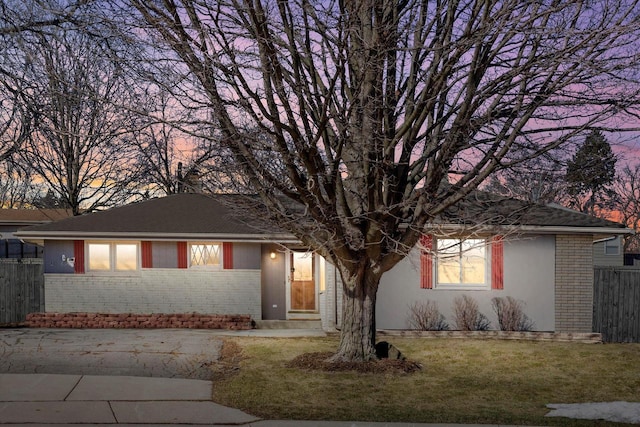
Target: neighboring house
[13,219]
[608,252]
[192,253]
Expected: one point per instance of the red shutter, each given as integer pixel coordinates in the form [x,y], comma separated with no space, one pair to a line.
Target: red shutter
[182,255]
[426,262]
[497,263]
[147,255]
[227,255]
[78,253]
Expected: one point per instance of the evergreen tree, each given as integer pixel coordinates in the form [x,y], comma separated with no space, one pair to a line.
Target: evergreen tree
[590,174]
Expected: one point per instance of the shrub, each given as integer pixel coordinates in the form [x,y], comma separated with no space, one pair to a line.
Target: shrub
[511,315]
[425,316]
[468,316]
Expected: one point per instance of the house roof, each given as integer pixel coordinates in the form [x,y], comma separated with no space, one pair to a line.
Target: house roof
[32,216]
[185,215]
[493,210]
[199,216]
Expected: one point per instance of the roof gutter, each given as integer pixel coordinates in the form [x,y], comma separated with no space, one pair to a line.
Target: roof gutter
[577,230]
[291,239]
[66,235]
[538,229]
[27,223]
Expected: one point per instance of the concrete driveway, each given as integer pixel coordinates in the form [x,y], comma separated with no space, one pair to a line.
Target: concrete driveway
[167,353]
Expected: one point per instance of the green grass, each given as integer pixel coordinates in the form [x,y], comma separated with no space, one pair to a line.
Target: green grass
[462,381]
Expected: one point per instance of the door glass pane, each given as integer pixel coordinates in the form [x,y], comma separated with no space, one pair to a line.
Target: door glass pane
[303,266]
[99,256]
[126,257]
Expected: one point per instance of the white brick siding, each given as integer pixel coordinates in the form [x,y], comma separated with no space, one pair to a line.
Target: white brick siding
[574,283]
[328,299]
[157,291]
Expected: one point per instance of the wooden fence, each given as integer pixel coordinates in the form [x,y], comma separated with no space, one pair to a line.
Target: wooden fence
[21,289]
[616,303]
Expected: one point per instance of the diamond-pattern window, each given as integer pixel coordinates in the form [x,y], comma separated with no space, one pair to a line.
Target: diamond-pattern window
[205,254]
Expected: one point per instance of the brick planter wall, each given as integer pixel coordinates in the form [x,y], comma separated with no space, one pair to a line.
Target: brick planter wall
[133,321]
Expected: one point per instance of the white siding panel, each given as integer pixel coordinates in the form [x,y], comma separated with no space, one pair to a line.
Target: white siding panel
[529,265]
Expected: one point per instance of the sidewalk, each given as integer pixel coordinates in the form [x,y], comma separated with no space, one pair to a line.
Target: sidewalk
[89,400]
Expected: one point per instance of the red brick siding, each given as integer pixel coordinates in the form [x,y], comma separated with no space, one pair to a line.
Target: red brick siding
[135,321]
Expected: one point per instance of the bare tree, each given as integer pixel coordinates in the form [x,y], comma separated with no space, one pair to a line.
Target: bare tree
[627,190]
[78,94]
[538,180]
[170,159]
[18,16]
[370,107]
[15,120]
[17,187]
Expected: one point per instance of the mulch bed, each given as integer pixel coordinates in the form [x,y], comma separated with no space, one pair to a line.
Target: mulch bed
[320,362]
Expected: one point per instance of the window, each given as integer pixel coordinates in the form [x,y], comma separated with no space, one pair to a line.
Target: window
[110,256]
[203,255]
[612,246]
[322,276]
[99,256]
[461,262]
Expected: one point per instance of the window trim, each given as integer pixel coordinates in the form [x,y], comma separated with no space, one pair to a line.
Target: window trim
[215,267]
[112,256]
[462,286]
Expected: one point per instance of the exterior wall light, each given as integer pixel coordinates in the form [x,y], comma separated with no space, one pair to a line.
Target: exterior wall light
[272,255]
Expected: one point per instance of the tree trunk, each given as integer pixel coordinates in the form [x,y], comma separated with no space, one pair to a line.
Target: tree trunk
[358,332]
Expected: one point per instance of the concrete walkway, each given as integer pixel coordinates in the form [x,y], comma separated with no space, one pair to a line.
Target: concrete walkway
[166,353]
[89,400]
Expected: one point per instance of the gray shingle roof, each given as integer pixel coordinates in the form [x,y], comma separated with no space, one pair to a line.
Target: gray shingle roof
[178,214]
[17,216]
[491,209]
[208,215]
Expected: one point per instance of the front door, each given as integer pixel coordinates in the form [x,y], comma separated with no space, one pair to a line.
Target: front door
[303,287]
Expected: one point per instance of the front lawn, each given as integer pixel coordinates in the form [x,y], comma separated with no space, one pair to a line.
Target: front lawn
[461,381]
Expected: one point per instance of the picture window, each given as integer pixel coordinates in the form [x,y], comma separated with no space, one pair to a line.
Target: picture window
[461,263]
[110,256]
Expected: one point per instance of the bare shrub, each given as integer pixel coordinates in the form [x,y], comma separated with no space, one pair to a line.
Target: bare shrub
[511,315]
[425,316]
[468,316]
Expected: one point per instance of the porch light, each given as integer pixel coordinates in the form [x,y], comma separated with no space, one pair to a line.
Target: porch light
[272,255]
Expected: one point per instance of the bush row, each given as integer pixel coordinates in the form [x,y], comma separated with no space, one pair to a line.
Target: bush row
[425,315]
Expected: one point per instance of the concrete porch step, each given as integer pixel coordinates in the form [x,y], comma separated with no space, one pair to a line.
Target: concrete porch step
[288,324]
